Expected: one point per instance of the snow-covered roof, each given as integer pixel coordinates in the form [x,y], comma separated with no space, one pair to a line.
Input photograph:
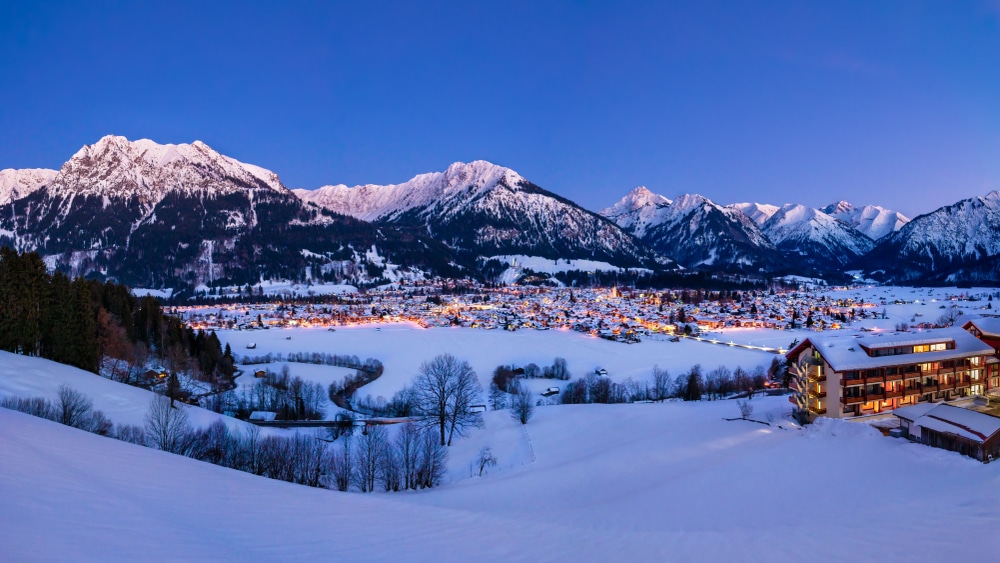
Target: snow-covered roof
[907,339]
[846,353]
[914,412]
[969,424]
[986,325]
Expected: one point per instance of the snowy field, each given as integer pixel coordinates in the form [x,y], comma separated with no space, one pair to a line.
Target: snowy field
[21,376]
[402,347]
[643,482]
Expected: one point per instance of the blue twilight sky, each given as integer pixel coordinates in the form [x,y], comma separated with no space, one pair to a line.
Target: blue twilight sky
[894,103]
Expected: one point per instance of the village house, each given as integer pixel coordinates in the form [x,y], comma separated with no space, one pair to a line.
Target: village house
[851,376]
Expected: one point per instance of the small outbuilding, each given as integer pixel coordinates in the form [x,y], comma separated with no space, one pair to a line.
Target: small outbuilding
[968,432]
[263,416]
[550,391]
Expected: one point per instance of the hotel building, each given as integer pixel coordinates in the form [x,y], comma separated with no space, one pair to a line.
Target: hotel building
[851,376]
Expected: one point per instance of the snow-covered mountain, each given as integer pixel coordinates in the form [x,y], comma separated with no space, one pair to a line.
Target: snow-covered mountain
[959,242]
[146,172]
[694,231]
[638,210]
[15,184]
[156,215]
[482,209]
[872,221]
[811,235]
[759,212]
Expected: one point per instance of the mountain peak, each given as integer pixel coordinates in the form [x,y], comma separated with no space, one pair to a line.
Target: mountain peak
[688,201]
[117,167]
[636,199]
[839,207]
[758,212]
[637,210]
[15,184]
[871,220]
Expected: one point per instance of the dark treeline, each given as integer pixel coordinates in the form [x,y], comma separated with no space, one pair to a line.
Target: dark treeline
[318,358]
[660,280]
[96,326]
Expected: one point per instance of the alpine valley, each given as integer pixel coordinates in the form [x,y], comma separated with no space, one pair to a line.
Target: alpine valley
[186,216]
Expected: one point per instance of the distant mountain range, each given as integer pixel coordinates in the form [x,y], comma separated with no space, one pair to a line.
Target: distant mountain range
[185,215]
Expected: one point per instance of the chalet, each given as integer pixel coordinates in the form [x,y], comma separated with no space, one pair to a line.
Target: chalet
[854,376]
[155,373]
[968,432]
[263,416]
[259,374]
[601,371]
[550,391]
[987,330]
[251,346]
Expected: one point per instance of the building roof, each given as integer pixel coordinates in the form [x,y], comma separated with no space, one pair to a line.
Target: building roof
[969,424]
[986,325]
[844,352]
[916,411]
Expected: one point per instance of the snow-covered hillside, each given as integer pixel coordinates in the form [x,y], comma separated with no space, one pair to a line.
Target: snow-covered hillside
[872,221]
[485,209]
[23,376]
[961,239]
[15,184]
[445,192]
[649,482]
[803,230]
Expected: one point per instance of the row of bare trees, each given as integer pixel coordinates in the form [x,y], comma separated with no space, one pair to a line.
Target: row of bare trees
[290,397]
[414,459]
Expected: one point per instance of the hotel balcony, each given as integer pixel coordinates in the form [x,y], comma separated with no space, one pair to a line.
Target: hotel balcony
[852,400]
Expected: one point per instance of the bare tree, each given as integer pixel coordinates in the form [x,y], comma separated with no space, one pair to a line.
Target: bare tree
[167,428]
[131,433]
[523,405]
[486,460]
[408,454]
[743,382]
[342,466]
[72,408]
[746,409]
[498,397]
[446,388]
[560,370]
[949,317]
[661,384]
[759,377]
[368,451]
[35,406]
[433,457]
